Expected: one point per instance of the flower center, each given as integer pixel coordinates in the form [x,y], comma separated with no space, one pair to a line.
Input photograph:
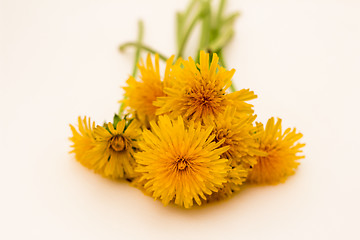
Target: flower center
[222,133]
[181,163]
[206,97]
[118,143]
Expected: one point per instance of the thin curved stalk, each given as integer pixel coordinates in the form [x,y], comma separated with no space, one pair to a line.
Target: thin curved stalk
[138,50]
[137,57]
[187,33]
[223,64]
[143,47]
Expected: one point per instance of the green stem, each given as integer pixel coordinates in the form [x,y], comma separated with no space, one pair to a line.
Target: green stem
[232,87]
[143,47]
[221,58]
[181,20]
[187,33]
[230,19]
[138,49]
[137,57]
[223,64]
[221,41]
[205,34]
[219,15]
[189,8]
[179,28]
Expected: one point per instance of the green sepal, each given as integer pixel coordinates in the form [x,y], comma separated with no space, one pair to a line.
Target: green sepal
[116,120]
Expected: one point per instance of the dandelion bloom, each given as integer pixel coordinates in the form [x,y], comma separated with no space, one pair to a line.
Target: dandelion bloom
[112,148]
[199,91]
[140,95]
[181,164]
[240,135]
[282,154]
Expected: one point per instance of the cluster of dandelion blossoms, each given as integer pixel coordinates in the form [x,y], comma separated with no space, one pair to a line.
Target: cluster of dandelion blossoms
[184,138]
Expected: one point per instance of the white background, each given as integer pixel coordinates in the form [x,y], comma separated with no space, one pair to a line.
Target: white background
[59,59]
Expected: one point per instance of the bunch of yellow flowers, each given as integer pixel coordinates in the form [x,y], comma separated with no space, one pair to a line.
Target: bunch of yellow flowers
[184,138]
[185,135]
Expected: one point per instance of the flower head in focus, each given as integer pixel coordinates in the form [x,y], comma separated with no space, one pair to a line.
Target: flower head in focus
[198,91]
[282,154]
[181,163]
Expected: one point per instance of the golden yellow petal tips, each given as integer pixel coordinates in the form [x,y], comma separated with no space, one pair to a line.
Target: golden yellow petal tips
[181,164]
[198,91]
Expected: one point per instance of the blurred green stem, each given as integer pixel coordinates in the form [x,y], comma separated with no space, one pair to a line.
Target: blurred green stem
[143,47]
[223,64]
[137,57]
[138,49]
[187,33]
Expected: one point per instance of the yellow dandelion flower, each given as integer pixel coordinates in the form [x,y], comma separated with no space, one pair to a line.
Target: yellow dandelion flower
[107,150]
[179,163]
[83,140]
[113,154]
[240,135]
[282,154]
[199,91]
[140,95]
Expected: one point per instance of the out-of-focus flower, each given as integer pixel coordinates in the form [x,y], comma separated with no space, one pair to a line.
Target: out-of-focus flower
[282,154]
[140,95]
